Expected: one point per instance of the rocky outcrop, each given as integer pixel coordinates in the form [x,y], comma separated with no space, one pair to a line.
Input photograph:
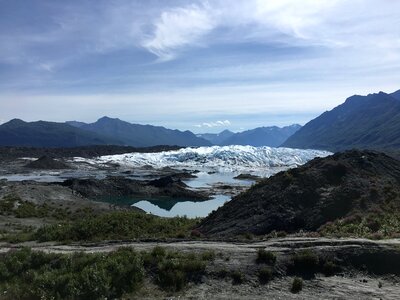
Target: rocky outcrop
[307,197]
[47,163]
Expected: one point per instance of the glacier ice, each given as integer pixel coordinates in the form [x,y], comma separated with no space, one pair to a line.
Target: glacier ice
[226,158]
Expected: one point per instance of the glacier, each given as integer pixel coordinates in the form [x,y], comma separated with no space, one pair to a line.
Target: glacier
[219,158]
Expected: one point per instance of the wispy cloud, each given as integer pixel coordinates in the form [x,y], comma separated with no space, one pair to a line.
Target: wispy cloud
[217,58]
[224,123]
[179,27]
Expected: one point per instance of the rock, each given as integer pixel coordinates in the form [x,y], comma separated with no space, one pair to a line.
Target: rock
[307,197]
[247,177]
[47,163]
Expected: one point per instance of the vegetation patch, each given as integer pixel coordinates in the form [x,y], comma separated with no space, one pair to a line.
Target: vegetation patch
[26,274]
[237,277]
[265,275]
[116,225]
[297,285]
[265,257]
[374,224]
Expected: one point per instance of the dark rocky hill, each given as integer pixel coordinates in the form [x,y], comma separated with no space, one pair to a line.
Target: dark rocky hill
[364,122]
[310,196]
[46,163]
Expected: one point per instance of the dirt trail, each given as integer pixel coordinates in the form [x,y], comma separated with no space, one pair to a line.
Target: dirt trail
[282,245]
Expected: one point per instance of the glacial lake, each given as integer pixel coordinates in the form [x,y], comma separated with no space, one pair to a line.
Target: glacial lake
[172,207]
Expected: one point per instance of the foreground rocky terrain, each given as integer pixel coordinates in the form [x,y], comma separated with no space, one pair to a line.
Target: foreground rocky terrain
[365,269]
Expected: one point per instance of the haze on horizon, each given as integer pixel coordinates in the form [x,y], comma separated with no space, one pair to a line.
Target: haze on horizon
[200,65]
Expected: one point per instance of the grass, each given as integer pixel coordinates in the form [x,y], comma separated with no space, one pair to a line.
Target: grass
[297,285]
[374,224]
[237,277]
[265,275]
[265,257]
[25,274]
[116,225]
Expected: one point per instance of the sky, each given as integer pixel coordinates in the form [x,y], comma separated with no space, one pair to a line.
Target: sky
[199,65]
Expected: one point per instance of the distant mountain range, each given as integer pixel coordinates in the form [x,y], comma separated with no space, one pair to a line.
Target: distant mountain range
[141,135]
[105,131]
[365,122]
[49,134]
[262,136]
[216,138]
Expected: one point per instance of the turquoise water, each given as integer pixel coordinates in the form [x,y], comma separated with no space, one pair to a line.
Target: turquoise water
[190,209]
[171,207]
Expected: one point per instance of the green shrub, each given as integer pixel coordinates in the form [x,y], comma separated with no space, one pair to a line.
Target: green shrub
[265,275]
[37,275]
[237,277]
[115,225]
[329,268]
[222,273]
[265,257]
[208,255]
[297,285]
[305,262]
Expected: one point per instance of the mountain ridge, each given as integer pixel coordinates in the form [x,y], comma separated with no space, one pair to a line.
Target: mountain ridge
[271,136]
[364,122]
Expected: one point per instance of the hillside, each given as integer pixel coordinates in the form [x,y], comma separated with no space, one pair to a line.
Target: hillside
[345,186]
[366,122]
[49,134]
[262,136]
[143,135]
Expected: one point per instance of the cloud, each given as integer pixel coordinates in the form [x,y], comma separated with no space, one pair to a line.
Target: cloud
[214,124]
[178,27]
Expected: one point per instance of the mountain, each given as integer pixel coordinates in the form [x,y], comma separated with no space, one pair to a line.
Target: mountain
[354,187]
[143,135]
[262,136]
[75,123]
[365,122]
[216,138]
[48,134]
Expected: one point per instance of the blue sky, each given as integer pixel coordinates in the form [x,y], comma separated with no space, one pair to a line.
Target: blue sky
[200,65]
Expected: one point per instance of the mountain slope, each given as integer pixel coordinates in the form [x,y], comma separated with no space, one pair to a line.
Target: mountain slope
[216,138]
[143,135]
[48,134]
[369,122]
[262,136]
[344,185]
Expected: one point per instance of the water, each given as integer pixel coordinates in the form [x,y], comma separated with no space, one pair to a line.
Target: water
[171,207]
[189,209]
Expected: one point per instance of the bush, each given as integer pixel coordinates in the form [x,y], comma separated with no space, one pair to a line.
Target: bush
[208,255]
[297,285]
[265,275]
[305,262]
[115,225]
[237,277]
[36,275]
[265,257]
[329,268]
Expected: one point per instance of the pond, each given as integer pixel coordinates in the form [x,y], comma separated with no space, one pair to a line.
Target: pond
[172,207]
